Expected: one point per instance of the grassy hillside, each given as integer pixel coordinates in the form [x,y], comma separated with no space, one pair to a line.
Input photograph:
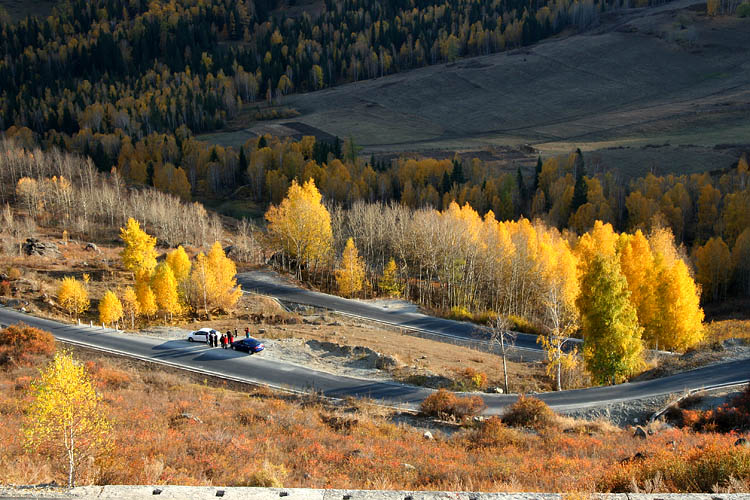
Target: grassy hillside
[173,428]
[657,89]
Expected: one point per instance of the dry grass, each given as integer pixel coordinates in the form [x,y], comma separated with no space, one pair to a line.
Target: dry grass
[719,331]
[259,438]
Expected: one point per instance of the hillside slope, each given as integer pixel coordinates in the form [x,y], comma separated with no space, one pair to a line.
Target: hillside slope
[644,78]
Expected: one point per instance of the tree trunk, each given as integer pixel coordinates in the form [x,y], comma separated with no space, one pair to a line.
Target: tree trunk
[505,366]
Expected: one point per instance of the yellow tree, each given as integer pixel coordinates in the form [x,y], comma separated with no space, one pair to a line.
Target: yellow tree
[146,297]
[388,283]
[225,292]
[350,276]
[638,267]
[301,226]
[164,286]
[713,264]
[65,417]
[679,317]
[179,261]
[139,255]
[130,305]
[110,308]
[72,296]
[212,281]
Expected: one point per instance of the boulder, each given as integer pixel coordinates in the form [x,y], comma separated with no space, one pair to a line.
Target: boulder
[34,246]
[91,247]
[428,436]
[640,433]
[742,442]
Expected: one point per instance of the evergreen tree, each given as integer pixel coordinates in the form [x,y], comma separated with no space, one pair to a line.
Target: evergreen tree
[445,184]
[457,174]
[537,172]
[580,191]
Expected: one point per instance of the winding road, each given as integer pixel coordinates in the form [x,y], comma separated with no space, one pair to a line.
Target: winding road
[271,284]
[257,370]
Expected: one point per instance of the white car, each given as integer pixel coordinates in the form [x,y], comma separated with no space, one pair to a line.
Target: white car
[201,335]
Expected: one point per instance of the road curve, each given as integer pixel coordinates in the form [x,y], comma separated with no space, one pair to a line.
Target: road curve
[272,284]
[255,369]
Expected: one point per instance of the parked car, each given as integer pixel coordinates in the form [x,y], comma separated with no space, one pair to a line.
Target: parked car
[201,335]
[248,345]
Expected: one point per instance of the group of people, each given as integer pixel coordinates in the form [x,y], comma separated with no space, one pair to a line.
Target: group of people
[226,339]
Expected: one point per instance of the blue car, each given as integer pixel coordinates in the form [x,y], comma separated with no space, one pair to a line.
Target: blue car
[248,345]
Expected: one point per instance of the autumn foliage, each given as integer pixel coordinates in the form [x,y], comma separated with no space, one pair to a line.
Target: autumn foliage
[20,343]
[530,412]
[72,296]
[278,441]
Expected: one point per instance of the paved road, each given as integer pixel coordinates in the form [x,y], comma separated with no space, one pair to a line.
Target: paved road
[270,283]
[257,370]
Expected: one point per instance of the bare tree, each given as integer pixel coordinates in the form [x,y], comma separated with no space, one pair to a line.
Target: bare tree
[500,334]
[561,323]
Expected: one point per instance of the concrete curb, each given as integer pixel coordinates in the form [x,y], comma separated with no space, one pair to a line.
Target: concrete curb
[245,493]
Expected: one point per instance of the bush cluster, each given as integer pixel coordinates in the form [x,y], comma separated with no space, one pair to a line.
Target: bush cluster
[729,417]
[20,343]
[531,413]
[445,404]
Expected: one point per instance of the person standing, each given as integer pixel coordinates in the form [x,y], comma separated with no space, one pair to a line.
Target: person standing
[247,332]
[230,338]
[223,341]
[214,340]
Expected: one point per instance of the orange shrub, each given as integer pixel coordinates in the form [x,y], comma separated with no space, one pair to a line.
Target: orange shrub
[445,404]
[19,343]
[111,378]
[494,433]
[697,469]
[530,412]
[5,288]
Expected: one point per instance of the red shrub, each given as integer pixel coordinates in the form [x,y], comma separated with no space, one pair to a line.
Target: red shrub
[19,343]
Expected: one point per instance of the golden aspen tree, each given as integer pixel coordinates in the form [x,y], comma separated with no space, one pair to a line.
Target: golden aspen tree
[708,210]
[612,347]
[350,276]
[388,283]
[130,305]
[600,240]
[224,293]
[110,308]
[179,261]
[713,263]
[735,216]
[201,282]
[741,261]
[72,296]
[679,317]
[164,286]
[139,255]
[146,298]
[638,267]
[301,226]
[65,417]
